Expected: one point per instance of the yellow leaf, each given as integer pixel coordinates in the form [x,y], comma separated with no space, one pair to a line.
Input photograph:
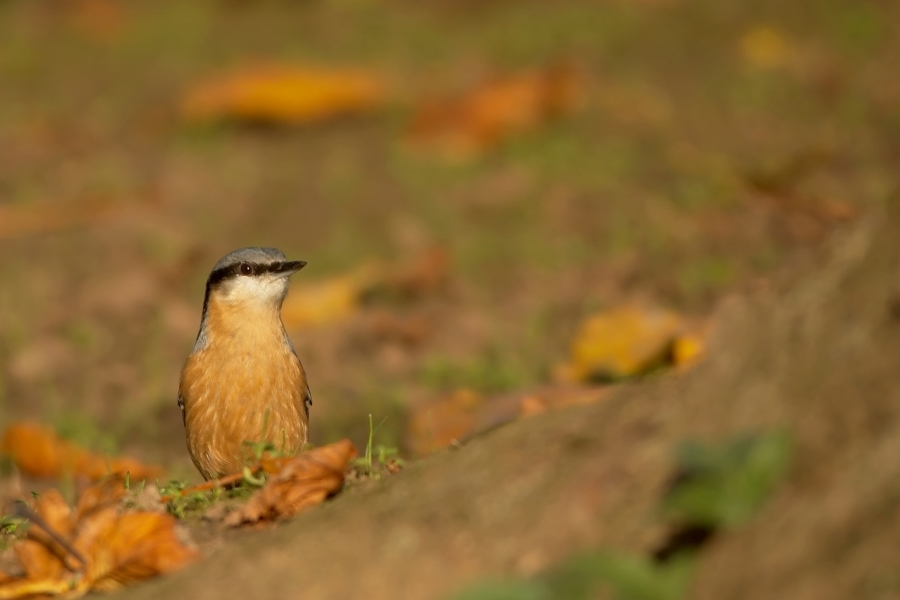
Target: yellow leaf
[623,342]
[686,350]
[284,94]
[330,300]
[765,48]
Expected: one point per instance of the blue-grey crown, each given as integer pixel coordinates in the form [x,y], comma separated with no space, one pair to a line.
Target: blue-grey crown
[251,255]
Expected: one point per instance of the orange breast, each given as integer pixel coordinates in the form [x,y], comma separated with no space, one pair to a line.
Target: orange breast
[241,389]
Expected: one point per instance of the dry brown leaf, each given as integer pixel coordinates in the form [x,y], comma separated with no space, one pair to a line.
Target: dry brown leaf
[425,274]
[485,116]
[29,219]
[436,425]
[284,94]
[38,451]
[300,482]
[107,492]
[104,548]
[463,414]
[125,548]
[41,556]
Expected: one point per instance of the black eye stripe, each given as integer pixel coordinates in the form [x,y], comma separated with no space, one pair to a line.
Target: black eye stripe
[236,270]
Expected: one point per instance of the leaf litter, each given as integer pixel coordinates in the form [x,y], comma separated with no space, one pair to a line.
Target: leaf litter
[97,545]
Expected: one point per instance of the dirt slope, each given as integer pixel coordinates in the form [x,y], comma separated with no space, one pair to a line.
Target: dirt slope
[820,354]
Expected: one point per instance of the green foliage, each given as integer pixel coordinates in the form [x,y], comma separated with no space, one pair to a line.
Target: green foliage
[85,432]
[580,578]
[724,485]
[195,503]
[505,590]
[376,452]
[720,486]
[491,372]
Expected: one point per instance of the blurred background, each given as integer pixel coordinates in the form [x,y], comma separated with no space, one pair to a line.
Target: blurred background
[468,181]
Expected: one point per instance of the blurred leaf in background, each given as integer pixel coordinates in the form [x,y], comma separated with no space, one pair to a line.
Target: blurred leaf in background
[483,117]
[38,451]
[627,341]
[283,94]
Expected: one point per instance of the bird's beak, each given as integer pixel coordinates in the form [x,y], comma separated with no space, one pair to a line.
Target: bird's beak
[286,269]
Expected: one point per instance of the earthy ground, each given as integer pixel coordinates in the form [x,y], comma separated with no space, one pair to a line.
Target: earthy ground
[737,163]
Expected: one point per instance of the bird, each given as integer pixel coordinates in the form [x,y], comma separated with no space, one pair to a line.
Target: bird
[243,382]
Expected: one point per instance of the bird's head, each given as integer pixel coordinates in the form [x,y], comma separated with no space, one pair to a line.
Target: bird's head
[252,277]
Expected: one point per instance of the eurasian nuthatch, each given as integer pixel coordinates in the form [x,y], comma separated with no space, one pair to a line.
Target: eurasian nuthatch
[243,381]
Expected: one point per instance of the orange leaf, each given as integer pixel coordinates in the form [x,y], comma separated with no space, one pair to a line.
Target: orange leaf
[38,562]
[109,548]
[124,548]
[303,481]
[38,451]
[286,94]
[488,114]
[34,449]
[31,588]
[107,492]
[40,555]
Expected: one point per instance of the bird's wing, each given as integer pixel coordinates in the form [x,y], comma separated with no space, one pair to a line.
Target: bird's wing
[307,400]
[181,406]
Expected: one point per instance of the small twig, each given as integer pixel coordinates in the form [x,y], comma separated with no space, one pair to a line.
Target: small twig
[207,486]
[23,511]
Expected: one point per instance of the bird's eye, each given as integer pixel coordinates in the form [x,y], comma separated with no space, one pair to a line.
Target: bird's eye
[246,269]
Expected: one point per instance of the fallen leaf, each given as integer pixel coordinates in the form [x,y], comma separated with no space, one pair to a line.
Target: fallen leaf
[425,274]
[452,419]
[41,555]
[409,330]
[765,48]
[439,424]
[687,350]
[284,94]
[335,299]
[482,118]
[28,219]
[38,451]
[329,300]
[622,342]
[300,482]
[125,548]
[97,546]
